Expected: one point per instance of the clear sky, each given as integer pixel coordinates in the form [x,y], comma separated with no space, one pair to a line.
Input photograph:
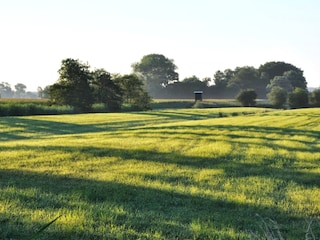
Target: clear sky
[201,36]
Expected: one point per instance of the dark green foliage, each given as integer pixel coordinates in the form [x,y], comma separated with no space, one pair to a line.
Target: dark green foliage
[142,101]
[132,91]
[220,88]
[245,78]
[194,83]
[296,79]
[73,86]
[106,91]
[59,94]
[277,97]
[315,98]
[298,98]
[290,73]
[80,88]
[247,98]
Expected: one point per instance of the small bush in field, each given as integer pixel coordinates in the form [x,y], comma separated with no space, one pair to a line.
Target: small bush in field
[247,98]
[277,97]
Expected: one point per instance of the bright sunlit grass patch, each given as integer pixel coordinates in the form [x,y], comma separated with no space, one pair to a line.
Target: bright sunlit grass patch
[167,174]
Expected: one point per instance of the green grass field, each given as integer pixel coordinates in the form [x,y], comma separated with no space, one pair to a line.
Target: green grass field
[165,174]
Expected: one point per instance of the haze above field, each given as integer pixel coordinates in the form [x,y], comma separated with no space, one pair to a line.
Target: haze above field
[201,36]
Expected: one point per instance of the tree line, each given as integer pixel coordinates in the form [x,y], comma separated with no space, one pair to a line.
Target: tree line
[163,81]
[19,91]
[282,83]
[156,76]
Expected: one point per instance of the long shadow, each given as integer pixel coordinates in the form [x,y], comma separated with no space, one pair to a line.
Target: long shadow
[234,132]
[228,162]
[20,127]
[178,115]
[144,209]
[247,128]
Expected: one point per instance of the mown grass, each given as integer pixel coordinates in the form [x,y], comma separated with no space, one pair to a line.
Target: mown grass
[166,174]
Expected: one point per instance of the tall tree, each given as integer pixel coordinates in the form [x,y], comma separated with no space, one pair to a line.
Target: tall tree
[245,78]
[133,91]
[299,98]
[5,90]
[194,83]
[20,90]
[271,69]
[105,90]
[221,87]
[282,82]
[296,79]
[220,80]
[277,96]
[43,93]
[73,87]
[157,71]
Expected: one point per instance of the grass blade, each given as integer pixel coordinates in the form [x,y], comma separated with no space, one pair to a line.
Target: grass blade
[43,228]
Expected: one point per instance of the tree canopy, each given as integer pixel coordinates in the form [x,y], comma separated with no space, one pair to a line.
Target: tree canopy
[157,70]
[277,96]
[73,87]
[295,75]
[298,98]
[281,82]
[105,90]
[79,87]
[247,98]
[133,91]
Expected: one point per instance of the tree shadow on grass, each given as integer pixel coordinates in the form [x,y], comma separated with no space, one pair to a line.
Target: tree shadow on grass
[230,163]
[19,128]
[144,210]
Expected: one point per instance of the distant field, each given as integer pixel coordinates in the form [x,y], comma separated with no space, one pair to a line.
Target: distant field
[22,100]
[206,103]
[164,174]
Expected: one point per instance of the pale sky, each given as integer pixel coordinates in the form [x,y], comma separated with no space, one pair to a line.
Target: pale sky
[201,36]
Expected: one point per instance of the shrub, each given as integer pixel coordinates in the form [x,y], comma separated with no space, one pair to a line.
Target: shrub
[298,98]
[277,97]
[247,98]
[142,101]
[315,98]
